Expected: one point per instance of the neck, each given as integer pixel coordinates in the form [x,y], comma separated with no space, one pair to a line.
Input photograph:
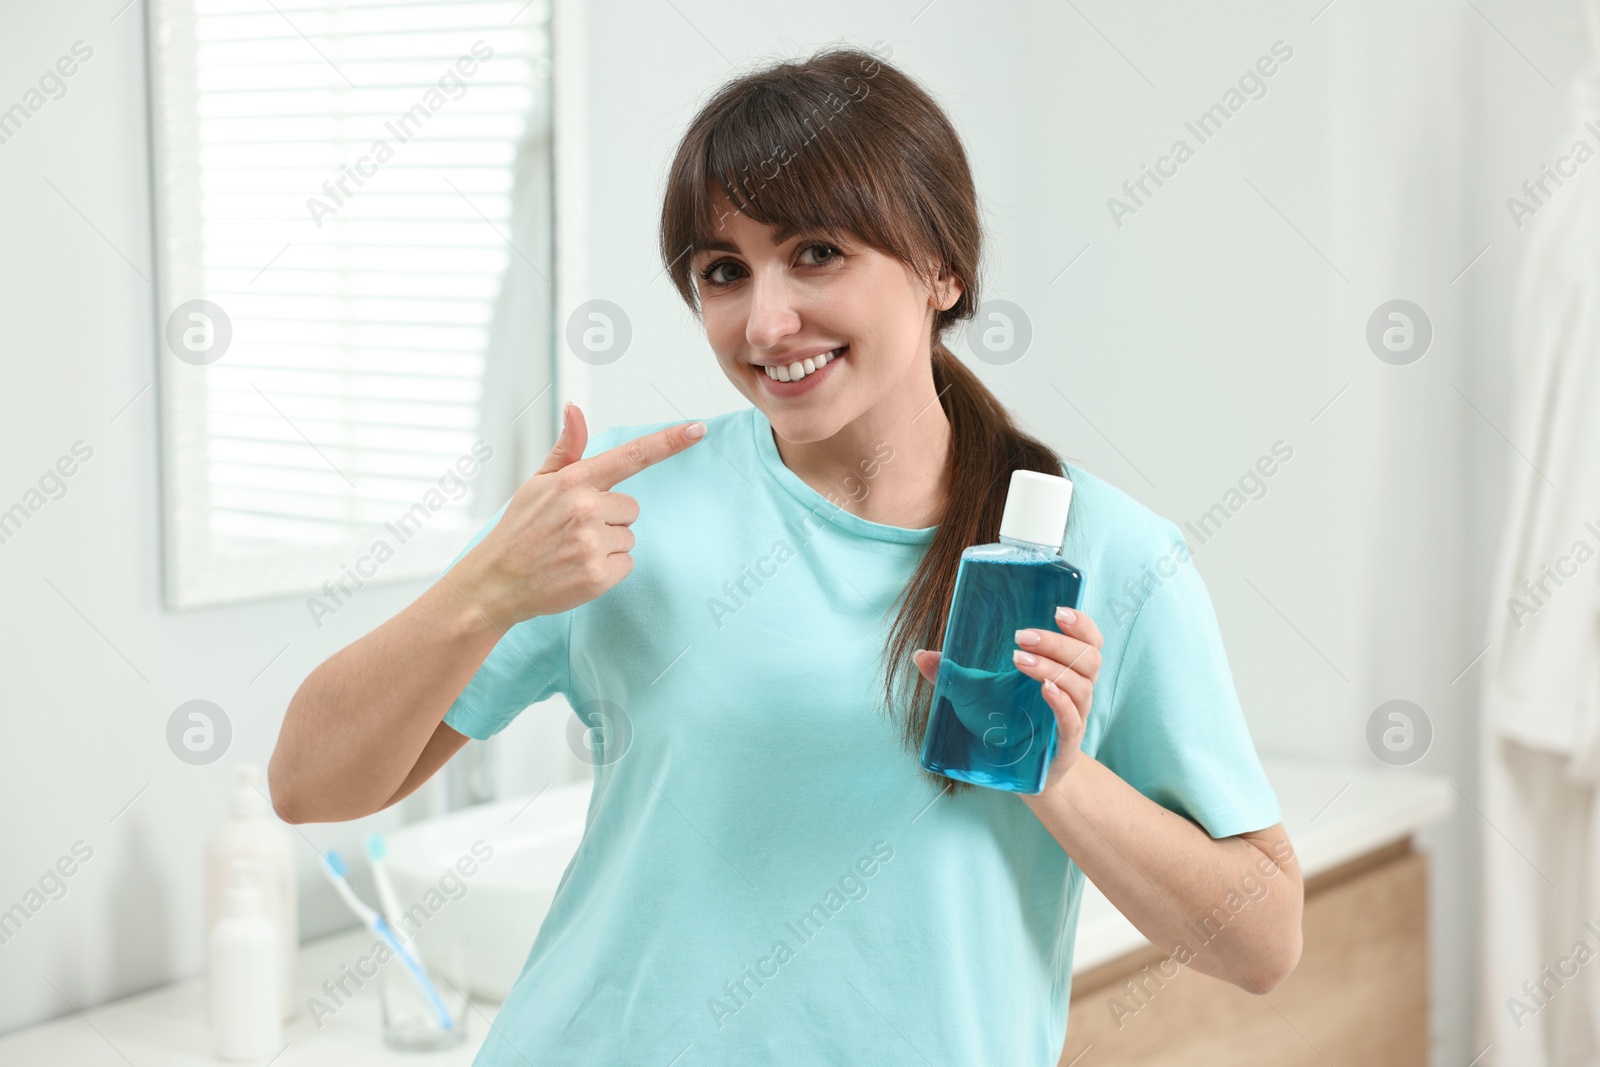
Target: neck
[888,465]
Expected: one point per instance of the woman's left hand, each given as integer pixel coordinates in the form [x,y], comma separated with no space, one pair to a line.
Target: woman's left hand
[1065,664]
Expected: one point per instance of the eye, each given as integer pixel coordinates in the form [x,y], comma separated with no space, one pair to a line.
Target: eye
[707,273]
[835,253]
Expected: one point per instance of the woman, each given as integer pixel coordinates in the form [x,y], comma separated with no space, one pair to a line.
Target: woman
[768,875]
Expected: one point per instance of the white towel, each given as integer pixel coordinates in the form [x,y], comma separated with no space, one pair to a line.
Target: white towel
[1540,755]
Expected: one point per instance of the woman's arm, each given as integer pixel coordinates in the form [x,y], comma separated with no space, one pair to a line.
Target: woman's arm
[1171,879]
[359,725]
[1229,908]
[367,726]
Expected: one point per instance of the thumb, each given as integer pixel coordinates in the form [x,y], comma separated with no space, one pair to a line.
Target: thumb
[928,663]
[570,445]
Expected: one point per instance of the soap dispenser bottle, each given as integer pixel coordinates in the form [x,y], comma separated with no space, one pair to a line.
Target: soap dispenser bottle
[242,961]
[989,723]
[254,834]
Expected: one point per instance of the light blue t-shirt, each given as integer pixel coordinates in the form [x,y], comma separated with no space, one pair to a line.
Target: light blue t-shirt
[767,876]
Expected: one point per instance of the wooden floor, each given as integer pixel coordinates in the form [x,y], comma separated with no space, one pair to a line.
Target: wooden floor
[1358,997]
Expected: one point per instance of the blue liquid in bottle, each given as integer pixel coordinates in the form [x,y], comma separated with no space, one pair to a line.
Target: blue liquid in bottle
[989,723]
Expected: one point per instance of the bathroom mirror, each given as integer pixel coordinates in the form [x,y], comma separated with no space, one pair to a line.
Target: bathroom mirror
[353,240]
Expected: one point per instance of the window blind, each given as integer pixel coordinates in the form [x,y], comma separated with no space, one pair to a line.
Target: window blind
[341,179]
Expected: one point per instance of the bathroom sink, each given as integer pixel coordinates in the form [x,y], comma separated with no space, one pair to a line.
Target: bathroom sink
[497,908]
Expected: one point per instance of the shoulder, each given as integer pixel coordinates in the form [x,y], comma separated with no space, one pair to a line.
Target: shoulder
[1108,525]
[1127,553]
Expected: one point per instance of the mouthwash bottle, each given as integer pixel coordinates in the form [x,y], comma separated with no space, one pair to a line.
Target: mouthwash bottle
[989,724]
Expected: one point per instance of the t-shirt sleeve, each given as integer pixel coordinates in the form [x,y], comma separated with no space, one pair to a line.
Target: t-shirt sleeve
[1175,730]
[529,664]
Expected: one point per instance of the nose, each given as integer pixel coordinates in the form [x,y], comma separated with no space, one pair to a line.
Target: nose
[772,314]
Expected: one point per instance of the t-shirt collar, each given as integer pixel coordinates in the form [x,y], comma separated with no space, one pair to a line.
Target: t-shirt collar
[814,502]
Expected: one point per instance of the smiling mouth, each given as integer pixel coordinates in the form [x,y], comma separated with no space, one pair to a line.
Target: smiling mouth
[799,369]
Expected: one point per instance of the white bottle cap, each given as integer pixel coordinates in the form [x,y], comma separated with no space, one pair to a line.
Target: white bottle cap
[1036,508]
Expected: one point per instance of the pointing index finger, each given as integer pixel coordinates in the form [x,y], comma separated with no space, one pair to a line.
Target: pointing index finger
[629,458]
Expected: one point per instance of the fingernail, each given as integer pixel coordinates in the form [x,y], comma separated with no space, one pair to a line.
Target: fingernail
[1024,659]
[918,651]
[1066,615]
[694,431]
[1027,637]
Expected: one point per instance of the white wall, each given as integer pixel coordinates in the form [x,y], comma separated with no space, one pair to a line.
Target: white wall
[1188,341]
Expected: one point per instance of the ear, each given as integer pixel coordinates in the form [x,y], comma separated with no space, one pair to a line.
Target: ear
[947,290]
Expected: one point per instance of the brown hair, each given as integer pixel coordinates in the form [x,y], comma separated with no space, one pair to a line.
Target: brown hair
[844,142]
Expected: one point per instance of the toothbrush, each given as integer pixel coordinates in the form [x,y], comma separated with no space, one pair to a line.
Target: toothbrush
[377,854]
[333,866]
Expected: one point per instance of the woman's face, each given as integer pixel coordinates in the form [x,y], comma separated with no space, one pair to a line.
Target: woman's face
[777,303]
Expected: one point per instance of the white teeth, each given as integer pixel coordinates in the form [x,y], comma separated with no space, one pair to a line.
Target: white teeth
[793,372]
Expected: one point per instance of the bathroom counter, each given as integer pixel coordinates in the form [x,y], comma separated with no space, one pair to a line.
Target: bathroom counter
[1333,814]
[167,1026]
